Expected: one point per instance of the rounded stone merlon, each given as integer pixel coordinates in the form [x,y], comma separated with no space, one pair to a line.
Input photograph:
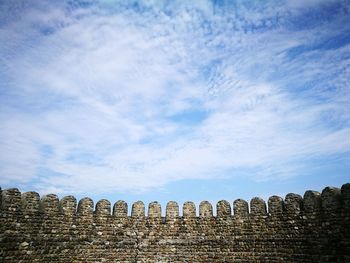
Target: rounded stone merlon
[330,198]
[345,192]
[30,202]
[312,201]
[223,209]
[103,208]
[154,210]
[120,209]
[172,210]
[257,206]
[275,204]
[11,200]
[85,206]
[240,208]
[189,210]
[50,204]
[68,205]
[293,203]
[138,209]
[205,209]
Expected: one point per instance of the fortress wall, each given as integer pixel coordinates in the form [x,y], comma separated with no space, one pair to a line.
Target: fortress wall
[312,228]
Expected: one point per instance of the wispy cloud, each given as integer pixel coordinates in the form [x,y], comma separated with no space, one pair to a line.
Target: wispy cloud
[132,96]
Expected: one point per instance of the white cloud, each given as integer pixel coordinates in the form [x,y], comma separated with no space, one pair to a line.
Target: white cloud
[101,88]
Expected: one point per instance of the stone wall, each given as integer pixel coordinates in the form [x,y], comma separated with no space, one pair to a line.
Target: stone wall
[312,228]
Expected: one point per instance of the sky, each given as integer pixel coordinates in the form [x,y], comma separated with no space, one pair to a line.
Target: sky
[174,100]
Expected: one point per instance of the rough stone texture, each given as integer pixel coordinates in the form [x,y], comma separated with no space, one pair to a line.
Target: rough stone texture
[240,208]
[223,209]
[120,209]
[205,209]
[257,207]
[68,205]
[154,210]
[293,204]
[172,210]
[189,210]
[138,210]
[31,202]
[312,201]
[315,228]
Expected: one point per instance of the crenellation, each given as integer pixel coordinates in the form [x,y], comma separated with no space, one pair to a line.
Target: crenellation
[275,205]
[172,210]
[103,208]
[11,200]
[30,202]
[240,208]
[345,192]
[293,204]
[138,210]
[85,207]
[120,209]
[330,199]
[49,205]
[205,209]
[189,210]
[154,210]
[312,228]
[68,205]
[223,209]
[258,207]
[312,201]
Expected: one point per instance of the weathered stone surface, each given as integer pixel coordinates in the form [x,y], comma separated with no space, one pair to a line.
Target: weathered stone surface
[172,210]
[293,204]
[11,200]
[275,204]
[205,209]
[68,205]
[50,204]
[103,208]
[138,209]
[315,228]
[223,209]
[120,209]
[31,202]
[345,192]
[85,207]
[330,198]
[257,207]
[240,208]
[189,210]
[312,201]
[154,210]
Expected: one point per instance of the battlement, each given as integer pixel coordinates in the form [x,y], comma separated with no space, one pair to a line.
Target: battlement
[309,228]
[29,203]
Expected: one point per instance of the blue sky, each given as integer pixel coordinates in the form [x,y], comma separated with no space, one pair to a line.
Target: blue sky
[174,100]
